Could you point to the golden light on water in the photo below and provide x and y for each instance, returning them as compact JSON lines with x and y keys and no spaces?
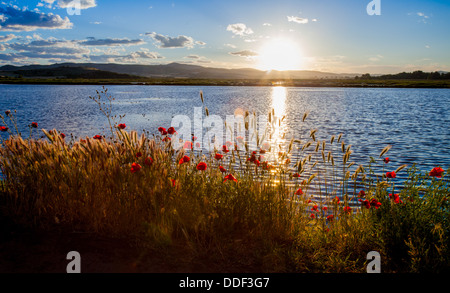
{"x":278,"y":123}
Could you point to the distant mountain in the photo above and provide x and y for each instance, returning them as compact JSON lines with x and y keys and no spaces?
{"x":62,"y":72}
{"x":171,"y":70}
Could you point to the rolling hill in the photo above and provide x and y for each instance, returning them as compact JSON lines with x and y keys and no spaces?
{"x":171,"y":70}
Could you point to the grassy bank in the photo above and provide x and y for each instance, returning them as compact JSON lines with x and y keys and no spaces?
{"x":232,"y":205}
{"x":391,"y":83}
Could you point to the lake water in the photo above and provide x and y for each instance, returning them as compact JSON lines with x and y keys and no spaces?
{"x":414,"y":121}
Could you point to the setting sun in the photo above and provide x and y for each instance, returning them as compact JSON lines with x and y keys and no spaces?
{"x":280,"y":54}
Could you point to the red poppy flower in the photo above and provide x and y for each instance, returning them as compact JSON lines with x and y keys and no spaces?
{"x":138,"y":154}
{"x":135,"y":167}
{"x":184,"y":159}
{"x":391,"y":174}
{"x":171,"y":130}
{"x":437,"y":172}
{"x":386,"y":160}
{"x":230,"y":177}
{"x":330,"y":218}
{"x":122,"y":126}
{"x":324,"y":208}
{"x":218,"y":156}
{"x":222,"y":169}
{"x":202,"y":166}
{"x":34,"y":125}
{"x":187,"y":145}
{"x":296,"y":175}
{"x":99,"y":137}
{"x":375,"y":203}
{"x":312,"y":216}
{"x":174,"y":182}
{"x":3,"y":128}
{"x":362,"y":194}
{"x":347,"y":210}
{"x":366,"y":203}
{"x":314,"y":208}
{"x":164,"y":132}
{"x":299,"y":192}
{"x":148,"y":161}
{"x":225,"y":149}
{"x":395,"y":197}
{"x":194,"y":138}
{"x":63,"y":136}
{"x":161,"y":129}
{"x":337,"y":200}
{"x":166,"y":139}
{"x":256,"y":162}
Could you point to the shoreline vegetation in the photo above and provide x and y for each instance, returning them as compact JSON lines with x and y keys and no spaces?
{"x":355,"y":83}
{"x":131,"y":202}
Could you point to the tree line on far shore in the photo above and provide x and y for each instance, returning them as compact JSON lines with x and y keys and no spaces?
{"x":410,"y":75}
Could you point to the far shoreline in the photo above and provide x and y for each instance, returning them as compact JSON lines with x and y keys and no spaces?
{"x":319,"y":83}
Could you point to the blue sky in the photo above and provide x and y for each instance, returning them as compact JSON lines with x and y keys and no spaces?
{"x":326,"y":35}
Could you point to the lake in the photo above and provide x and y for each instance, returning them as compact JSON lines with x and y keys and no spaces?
{"x":414,"y":121}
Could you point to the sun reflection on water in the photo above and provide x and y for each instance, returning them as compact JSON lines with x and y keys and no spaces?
{"x":278,"y":123}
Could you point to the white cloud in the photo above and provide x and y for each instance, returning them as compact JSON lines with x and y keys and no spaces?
{"x":174,"y":42}
{"x":239,"y":29}
{"x":231,"y":46}
{"x":196,"y":59}
{"x":7,"y":38}
{"x":192,"y":57}
{"x":423,"y":18}
{"x":297,"y":19}
{"x":134,"y":57}
{"x":245,"y":53}
{"x":111,"y":42}
{"x":43,"y":47}
{"x":376,"y":58}
{"x":145,"y":54}
{"x":267,"y":24}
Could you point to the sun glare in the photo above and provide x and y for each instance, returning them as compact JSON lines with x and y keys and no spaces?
{"x":280,"y":54}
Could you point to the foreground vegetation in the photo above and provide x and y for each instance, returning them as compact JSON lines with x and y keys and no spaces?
{"x":231,"y":205}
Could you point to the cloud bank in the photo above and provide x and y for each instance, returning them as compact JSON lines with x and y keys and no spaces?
{"x":12,"y":18}
{"x":111,"y":42}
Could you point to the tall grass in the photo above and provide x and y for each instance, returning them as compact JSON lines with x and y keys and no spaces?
{"x":307,"y":215}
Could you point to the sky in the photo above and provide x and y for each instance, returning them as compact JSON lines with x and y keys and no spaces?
{"x":341,"y":36}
